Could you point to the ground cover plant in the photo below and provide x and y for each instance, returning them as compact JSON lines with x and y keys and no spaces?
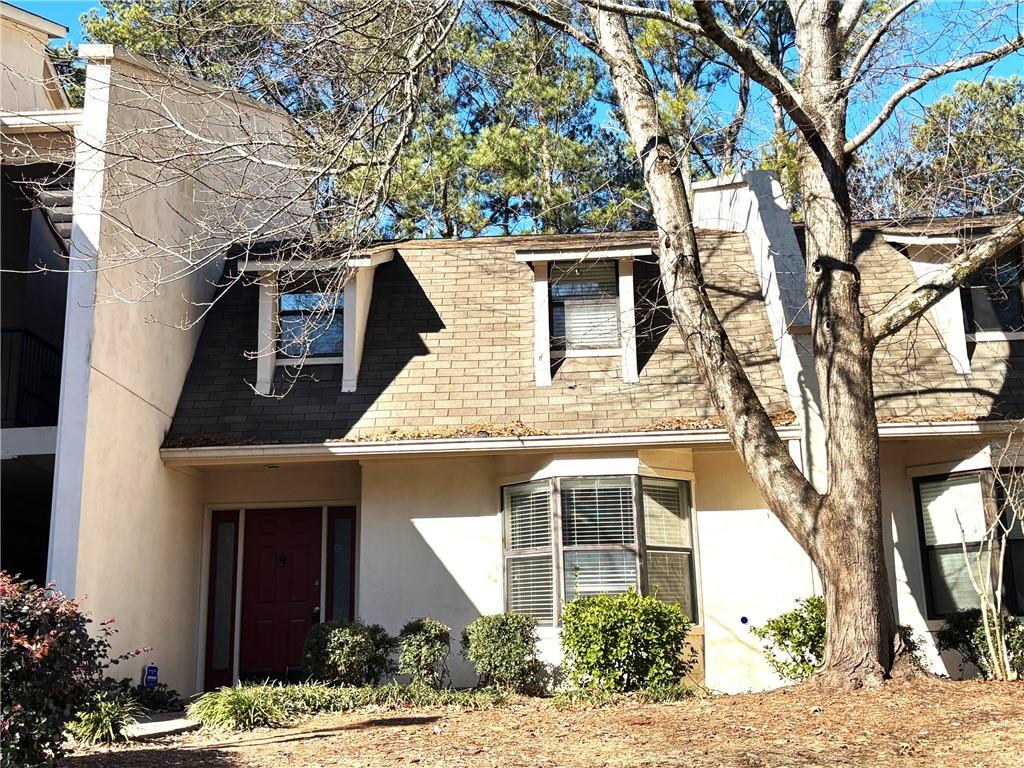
{"x":269,"y":705}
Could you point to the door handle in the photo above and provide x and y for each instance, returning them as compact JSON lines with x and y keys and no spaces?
{"x":316,"y":615}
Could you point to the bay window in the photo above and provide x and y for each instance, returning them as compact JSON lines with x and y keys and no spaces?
{"x":580,"y":536}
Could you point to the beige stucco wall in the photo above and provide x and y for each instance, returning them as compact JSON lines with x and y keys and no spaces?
{"x":127,"y":529}
{"x":26,"y":75}
{"x":750,"y":568}
{"x":430,"y":544}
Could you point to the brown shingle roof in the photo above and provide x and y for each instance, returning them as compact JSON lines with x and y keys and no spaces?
{"x":449,"y":352}
{"x":449,"y":344}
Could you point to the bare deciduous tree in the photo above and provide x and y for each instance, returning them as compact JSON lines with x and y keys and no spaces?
{"x":840,"y":528}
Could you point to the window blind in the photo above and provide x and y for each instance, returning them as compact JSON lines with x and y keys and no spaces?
{"x":601,"y":572}
{"x":584,"y":306}
{"x":530,"y":587}
{"x":597,"y":511}
{"x":949,"y":505}
{"x":528,"y":516}
{"x":666,"y":516}
{"x":669,"y":578}
{"x":951,"y":582}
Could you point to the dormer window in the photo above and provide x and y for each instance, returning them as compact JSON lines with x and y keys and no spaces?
{"x":313,"y":311}
{"x":992,"y":299}
{"x":584,"y":307}
{"x":310,"y":323}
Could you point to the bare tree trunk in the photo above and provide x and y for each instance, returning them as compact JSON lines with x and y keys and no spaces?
{"x":862,"y":643}
{"x":842,"y":531}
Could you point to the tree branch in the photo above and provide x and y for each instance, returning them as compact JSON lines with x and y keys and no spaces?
{"x":760,"y":69}
{"x":933,"y":73}
{"x":872,"y":40}
{"x":528,"y":9}
{"x":849,"y":15}
{"x":915,"y":300}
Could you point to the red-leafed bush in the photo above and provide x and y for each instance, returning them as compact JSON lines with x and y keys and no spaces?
{"x":51,"y":668}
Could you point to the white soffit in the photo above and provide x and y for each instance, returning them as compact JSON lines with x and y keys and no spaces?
{"x":584,"y":252}
{"x":359,"y":261}
{"x":903,"y":239}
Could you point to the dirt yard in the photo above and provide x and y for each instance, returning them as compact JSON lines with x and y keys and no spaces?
{"x":922,"y":724}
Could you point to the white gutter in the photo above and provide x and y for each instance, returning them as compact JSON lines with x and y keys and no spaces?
{"x":42,"y":121}
{"x":448,"y":446}
{"x":256,"y":454}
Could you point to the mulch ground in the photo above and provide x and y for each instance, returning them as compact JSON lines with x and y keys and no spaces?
{"x":924,"y":723}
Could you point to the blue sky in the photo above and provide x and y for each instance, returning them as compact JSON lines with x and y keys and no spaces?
{"x":68,"y":12}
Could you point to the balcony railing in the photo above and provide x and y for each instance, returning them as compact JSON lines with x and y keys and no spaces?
{"x":30,"y":379}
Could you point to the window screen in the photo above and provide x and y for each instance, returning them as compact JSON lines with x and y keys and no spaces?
{"x":528,"y":516}
{"x":529,"y":569}
{"x":597,"y":511}
{"x":668,"y":536}
{"x":952,"y":515}
{"x":596,"y":573}
{"x":310,"y":321}
{"x":584,"y":305}
{"x":531,"y":587}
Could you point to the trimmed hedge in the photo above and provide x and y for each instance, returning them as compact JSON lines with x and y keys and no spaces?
{"x":503,"y":650}
{"x":347,"y":653}
{"x":625,"y":642}
{"x":423,"y":649}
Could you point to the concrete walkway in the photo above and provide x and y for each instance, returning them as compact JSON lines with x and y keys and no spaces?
{"x":160,"y":724}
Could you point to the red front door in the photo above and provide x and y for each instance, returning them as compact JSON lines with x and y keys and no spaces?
{"x":280,"y":589}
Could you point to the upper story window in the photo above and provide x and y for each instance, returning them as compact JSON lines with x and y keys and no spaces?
{"x":992,"y":298}
{"x":571,"y":537}
{"x":310,"y":321}
{"x":584,"y":300}
{"x":957,"y":517}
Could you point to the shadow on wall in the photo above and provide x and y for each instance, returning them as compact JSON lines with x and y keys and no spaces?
{"x":216,"y":403}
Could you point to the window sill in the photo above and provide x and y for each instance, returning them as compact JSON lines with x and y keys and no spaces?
{"x":292,"y":361}
{"x":562,"y":354}
{"x":983,"y":336}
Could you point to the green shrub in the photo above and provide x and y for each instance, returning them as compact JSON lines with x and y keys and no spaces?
{"x":156,"y":698}
{"x":51,"y":668}
{"x":503,"y":650}
{"x":106,"y":719}
{"x":794,"y":643}
{"x":347,"y":653}
{"x":625,"y":642}
{"x":964,"y":633}
{"x":245,"y":707}
{"x":423,"y":649}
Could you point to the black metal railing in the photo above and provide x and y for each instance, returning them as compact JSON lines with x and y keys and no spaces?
{"x":30,"y":379}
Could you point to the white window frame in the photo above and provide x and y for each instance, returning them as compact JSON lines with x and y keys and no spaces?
{"x":626,"y":351}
